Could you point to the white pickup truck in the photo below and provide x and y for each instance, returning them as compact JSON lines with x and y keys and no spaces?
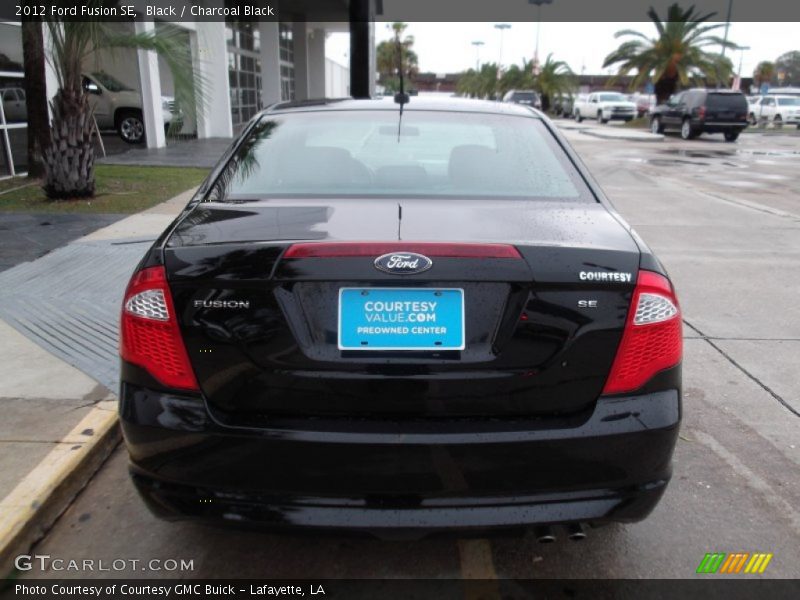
{"x":605,"y":107}
{"x":776,"y":109}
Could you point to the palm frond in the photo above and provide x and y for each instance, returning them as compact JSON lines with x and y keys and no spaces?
{"x":677,"y":53}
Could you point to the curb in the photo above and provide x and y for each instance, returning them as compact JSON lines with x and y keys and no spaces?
{"x":31,"y":508}
{"x":636,"y":137}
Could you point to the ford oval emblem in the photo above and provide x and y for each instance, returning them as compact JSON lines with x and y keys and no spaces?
{"x":403,"y":263}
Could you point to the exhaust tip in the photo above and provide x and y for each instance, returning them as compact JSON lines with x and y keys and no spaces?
{"x":575,"y":532}
{"x":544,"y":535}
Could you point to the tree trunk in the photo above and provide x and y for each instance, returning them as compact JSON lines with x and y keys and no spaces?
{"x":545,"y":102}
{"x":69,"y":160}
{"x":35,"y":94}
{"x":664,"y":88}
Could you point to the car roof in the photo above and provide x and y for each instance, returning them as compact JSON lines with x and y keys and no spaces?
{"x":416,"y":103}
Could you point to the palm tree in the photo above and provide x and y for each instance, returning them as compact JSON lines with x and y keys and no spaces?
{"x":515,"y":78}
{"x":35,"y":94}
{"x":480,"y":84}
{"x":69,"y":159}
{"x":678,"y":55}
{"x":468,"y":84}
{"x":391,"y":53}
{"x":764,"y":72}
{"x":554,"y":79}
{"x":488,"y":78}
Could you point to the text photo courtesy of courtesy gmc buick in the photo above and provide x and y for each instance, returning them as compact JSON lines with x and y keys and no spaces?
{"x":401,"y":319}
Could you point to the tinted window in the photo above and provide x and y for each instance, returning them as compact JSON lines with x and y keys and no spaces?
{"x":527,"y":96}
{"x":110,"y":83}
{"x":435,"y":154}
{"x":727,"y":101}
{"x":612,"y":98}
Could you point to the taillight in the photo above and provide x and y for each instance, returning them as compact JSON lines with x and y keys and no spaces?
{"x":441,"y":249}
{"x":149,"y":334}
{"x":701,"y":112}
{"x":652,"y":340}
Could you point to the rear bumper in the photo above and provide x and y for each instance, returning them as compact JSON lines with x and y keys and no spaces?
{"x":383,"y":477}
{"x":720,"y":126}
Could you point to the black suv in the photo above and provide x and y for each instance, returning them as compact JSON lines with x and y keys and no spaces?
{"x":702,"y":111}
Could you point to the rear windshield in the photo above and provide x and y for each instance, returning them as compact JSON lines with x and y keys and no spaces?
{"x":371,"y":153}
{"x":727,"y":101}
{"x":524,"y":96}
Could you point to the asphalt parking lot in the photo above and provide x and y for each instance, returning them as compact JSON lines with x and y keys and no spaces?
{"x":725,"y":220}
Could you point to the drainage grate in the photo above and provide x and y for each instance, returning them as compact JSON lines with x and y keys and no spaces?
{"x":68,"y":302}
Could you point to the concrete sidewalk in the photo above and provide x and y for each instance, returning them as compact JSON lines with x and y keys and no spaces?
{"x":178,"y":153}
{"x":610,"y":131}
{"x":59,"y":422}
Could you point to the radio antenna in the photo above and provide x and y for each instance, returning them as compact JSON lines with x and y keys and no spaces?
{"x":400,"y":97}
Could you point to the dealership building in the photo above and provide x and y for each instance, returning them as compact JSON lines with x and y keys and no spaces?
{"x":245,"y":65}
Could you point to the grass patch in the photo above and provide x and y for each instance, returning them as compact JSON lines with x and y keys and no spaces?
{"x":120,"y":189}
{"x":16,"y":182}
{"x":638,"y":123}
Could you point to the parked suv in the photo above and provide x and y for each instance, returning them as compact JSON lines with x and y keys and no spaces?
{"x":117,"y":106}
{"x":702,"y":111}
{"x":562,"y":105}
{"x":528,"y":97}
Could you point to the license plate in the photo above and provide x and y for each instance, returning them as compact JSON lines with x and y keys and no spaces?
{"x":401,"y":319}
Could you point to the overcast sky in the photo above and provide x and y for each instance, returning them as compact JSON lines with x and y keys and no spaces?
{"x":447,"y":47}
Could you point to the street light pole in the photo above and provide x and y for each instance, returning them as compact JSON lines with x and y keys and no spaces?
{"x":538,"y":4}
{"x":727,"y":25}
{"x":502,"y":27}
{"x":477,"y":44}
{"x":739,"y":72}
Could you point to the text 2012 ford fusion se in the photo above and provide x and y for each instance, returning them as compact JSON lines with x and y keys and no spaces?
{"x":401,"y":320}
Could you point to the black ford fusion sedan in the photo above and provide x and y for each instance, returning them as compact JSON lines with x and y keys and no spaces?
{"x":401,"y":320}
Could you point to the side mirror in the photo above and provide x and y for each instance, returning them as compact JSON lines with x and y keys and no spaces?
{"x":93,"y":88}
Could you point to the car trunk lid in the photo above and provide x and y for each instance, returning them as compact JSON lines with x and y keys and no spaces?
{"x":540,"y":330}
